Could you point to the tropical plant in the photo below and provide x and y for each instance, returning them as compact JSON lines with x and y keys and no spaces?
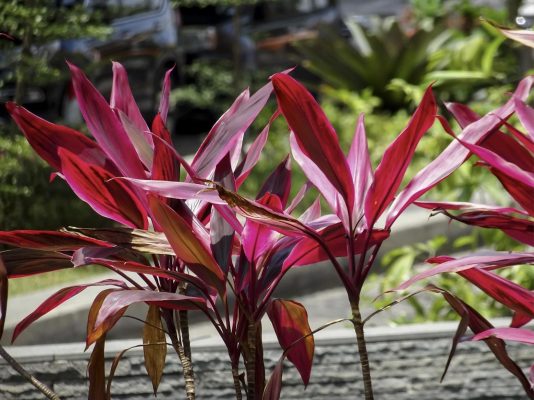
{"x":184,"y":241}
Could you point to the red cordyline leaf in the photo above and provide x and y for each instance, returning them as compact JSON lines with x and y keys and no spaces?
{"x":47,"y":138}
{"x":526,"y":116}
{"x":454,"y":155}
{"x":450,"y":264}
{"x":462,"y":205}
{"x":58,"y":298}
{"x":24,"y":262}
{"x":518,"y":228}
{"x":130,"y":266}
{"x":397,"y":157}
{"x":105,"y":126}
{"x":178,"y":190}
{"x":273,"y":389}
{"x":49,"y":240}
{"x":512,"y":334}
{"x":523,"y":36}
{"x":361,"y":170}
{"x":278,"y":182}
{"x":290,"y":322}
{"x":519,"y":319}
{"x":477,"y":323}
{"x":188,"y":244}
{"x":123,"y":100}
{"x":164,"y":166}
{"x":321,"y":182}
{"x":228,"y":130}
{"x":312,"y":213}
{"x":506,"y":292}
{"x":256,"y":238}
{"x":307,"y":251}
{"x":314,"y":134}
{"x":165,"y":93}
{"x":116,"y":302}
{"x":4,"y":282}
{"x":502,"y":165}
{"x":144,"y":150}
{"x":253,"y":154}
{"x":109,"y":197}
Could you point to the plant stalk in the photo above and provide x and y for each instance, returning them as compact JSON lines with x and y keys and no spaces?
{"x":237,"y":383}
{"x":254,"y":362}
{"x":187,"y":366}
{"x":49,"y":393}
{"x":362,"y":351}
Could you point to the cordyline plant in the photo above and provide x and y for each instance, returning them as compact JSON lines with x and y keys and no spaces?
{"x":185,"y":241}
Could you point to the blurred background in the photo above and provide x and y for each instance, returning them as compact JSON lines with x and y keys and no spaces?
{"x":370,"y":56}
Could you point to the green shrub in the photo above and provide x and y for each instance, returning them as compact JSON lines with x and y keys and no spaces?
{"x":27,"y":199}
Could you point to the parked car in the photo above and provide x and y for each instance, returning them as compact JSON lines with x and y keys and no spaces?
{"x":144,"y":39}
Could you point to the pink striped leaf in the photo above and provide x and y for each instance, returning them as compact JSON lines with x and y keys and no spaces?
{"x":58,"y":298}
{"x":49,"y":240}
{"x":455,"y":154}
{"x":526,"y":116}
{"x":4,"y":286}
{"x":397,"y":157}
{"x":165,"y":93}
{"x":290,"y":322}
{"x":230,"y":128}
{"x":449,"y":264}
{"x":361,"y":170}
{"x":122,"y":99}
{"x":177,"y":190}
{"x":24,"y":262}
{"x":511,"y":334}
{"x":165,"y":166}
{"x":109,"y":197}
{"x":47,"y":138}
{"x":105,"y":126}
{"x":143,"y":148}
{"x":115,"y":303}
{"x":314,"y":134}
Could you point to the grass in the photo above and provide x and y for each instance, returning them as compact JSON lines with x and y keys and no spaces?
{"x":34,"y":283}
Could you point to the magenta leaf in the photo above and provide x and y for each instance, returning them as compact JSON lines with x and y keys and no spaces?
{"x":321,"y":182}
{"x":165,"y":93}
{"x":122,"y":99}
{"x":144,"y":150}
{"x":273,"y":388}
{"x":47,"y":138}
{"x":290,"y":322}
{"x":449,"y":264}
{"x":48,"y":240}
{"x":512,"y":334}
{"x":253,"y":154}
{"x":526,"y":116}
{"x":519,"y":319}
{"x":314,"y":134}
{"x":56,"y":300}
{"x":454,"y":155}
{"x":178,"y":190}
{"x":221,"y":232}
{"x":360,"y":168}
{"x":397,"y":157}
{"x":165,"y":166}
{"x":506,"y":292}
{"x":278,"y":182}
{"x":307,"y":251}
{"x":24,"y":262}
{"x":111,"y":198}
{"x":117,"y":301}
{"x":225,"y":134}
{"x":105,"y":126}
{"x":257,"y":238}
{"x":4,"y":285}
